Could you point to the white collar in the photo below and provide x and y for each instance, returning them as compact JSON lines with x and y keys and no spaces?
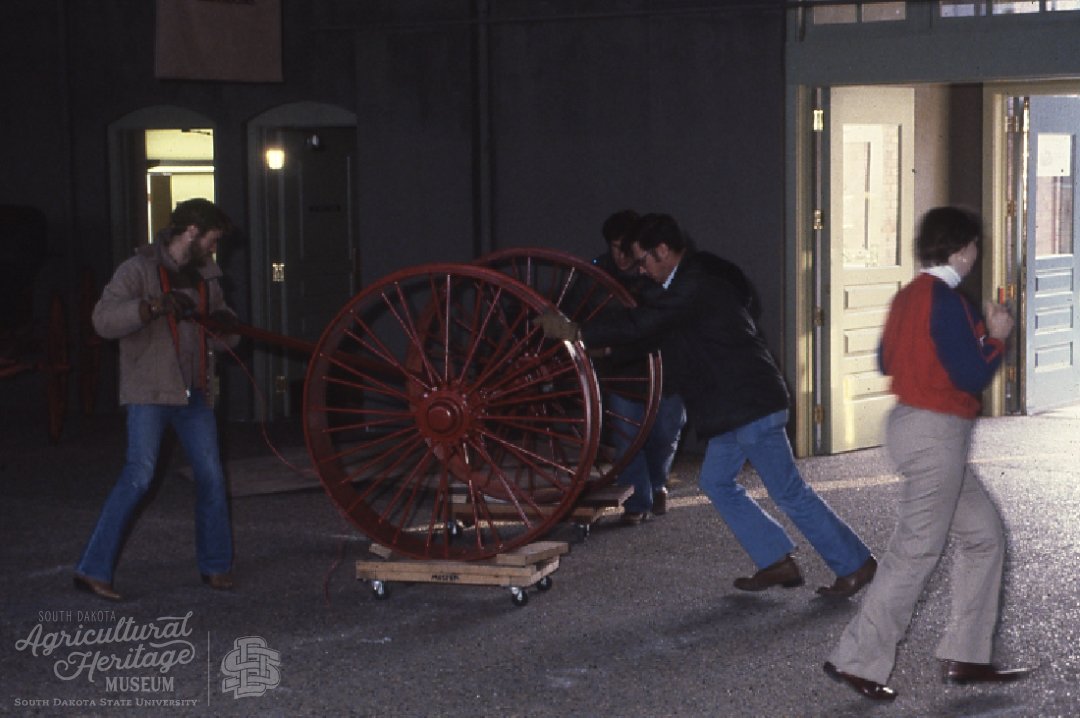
{"x":667,"y":282}
{"x":945,"y":273}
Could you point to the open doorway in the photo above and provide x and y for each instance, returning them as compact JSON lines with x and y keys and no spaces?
{"x":158,"y":156}
{"x":865,"y":256}
{"x":1010,"y":152}
{"x":1041,"y":128}
{"x":880,"y":157}
{"x":179,"y":166}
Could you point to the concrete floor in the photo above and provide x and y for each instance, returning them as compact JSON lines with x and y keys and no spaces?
{"x":639,"y":622}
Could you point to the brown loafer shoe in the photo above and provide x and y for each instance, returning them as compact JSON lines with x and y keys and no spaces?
{"x":962,"y":673}
{"x":218,"y":581}
{"x":784,"y":572}
{"x":871,"y":689}
{"x":632,"y":518}
{"x":98,"y":588}
{"x":659,"y":501}
{"x":848,"y":586}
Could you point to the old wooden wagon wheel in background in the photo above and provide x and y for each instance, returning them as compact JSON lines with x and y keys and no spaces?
{"x":581,"y":291}
{"x":433,"y":386}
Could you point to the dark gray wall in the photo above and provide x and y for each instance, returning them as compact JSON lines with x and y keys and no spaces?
{"x":481,"y":124}
{"x":528,"y":124}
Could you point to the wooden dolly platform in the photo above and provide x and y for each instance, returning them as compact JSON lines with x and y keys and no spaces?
{"x":530,"y":565}
{"x":590,"y":506}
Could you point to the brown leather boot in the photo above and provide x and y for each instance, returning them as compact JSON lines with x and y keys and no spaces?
{"x":96,"y":587}
{"x":963,"y":673}
{"x":784,"y":572}
{"x":848,"y":586}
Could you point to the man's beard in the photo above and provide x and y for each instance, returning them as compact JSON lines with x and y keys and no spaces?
{"x":198,"y":257}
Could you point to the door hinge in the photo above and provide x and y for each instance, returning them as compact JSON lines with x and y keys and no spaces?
{"x":819,"y":414}
{"x":819,"y":220}
{"x":819,"y":120}
{"x":819,"y":317}
{"x":1012,"y":124}
{"x":277,"y":271}
{"x":1010,"y":374}
{"x":1010,"y":209}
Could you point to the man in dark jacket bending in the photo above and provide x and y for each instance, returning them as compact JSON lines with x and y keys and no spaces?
{"x":715,"y":358}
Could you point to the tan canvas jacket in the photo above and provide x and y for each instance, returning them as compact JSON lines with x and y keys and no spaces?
{"x":151,"y":368}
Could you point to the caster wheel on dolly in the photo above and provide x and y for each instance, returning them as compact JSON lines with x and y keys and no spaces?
{"x":380,"y":590}
{"x":519,"y":596}
{"x":544,"y":584}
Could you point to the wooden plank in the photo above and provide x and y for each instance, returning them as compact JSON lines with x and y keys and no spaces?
{"x":608,"y":497}
{"x":532,"y":553}
{"x":381,"y":551}
{"x":587,"y":509}
{"x":605,"y":496}
{"x":455,"y":572}
{"x":497,"y":511}
{"x":522,"y":556}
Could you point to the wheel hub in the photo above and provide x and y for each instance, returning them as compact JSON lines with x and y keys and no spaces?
{"x":443,"y":416}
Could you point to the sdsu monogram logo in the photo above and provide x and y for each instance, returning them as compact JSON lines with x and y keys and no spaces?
{"x":250,"y":668}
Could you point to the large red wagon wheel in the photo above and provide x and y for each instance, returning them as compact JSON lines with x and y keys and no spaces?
{"x":432,"y":386}
{"x":581,"y":291}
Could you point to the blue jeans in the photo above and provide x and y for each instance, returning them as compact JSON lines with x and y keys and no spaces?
{"x":764,"y":443}
{"x":196,"y":428}
{"x":647,"y":471}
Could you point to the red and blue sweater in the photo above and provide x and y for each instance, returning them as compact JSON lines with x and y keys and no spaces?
{"x":936,"y":349}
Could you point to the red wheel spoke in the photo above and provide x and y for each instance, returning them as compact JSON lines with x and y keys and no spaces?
{"x":533,"y":460}
{"x":477,"y":335}
{"x":374,"y":387}
{"x":399,"y":451}
{"x":547,"y":363}
{"x":502,"y":364}
{"x":582,"y":291}
{"x":376,"y":347}
{"x":408,"y":325}
{"x":413,"y":480}
{"x":390,"y":418}
{"x":512,"y":490}
{"x":440,"y":515}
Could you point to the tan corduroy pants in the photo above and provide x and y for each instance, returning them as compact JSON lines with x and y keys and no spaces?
{"x":940,"y":495}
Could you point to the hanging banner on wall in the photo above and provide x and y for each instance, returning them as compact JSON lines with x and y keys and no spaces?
{"x":229,"y":40}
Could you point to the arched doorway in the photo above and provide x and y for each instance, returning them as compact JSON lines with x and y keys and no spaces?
{"x":305,"y":258}
{"x":158,"y":156}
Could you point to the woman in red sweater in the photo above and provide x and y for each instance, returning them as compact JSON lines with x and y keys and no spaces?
{"x":940,"y":354}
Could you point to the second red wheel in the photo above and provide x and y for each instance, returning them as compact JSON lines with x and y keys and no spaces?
{"x":582,"y":291}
